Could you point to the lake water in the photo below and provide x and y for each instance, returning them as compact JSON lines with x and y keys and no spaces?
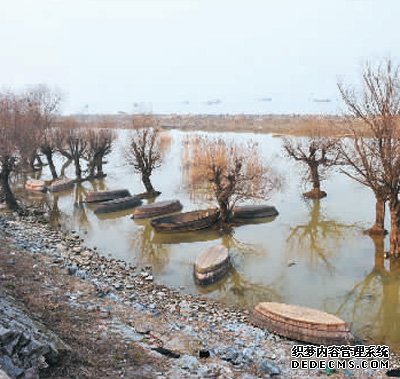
{"x":336,"y":268}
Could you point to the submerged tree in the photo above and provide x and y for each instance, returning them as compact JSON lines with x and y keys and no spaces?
{"x":318,"y":154}
{"x":375,"y":154}
{"x":144,"y":154}
{"x":99,"y":145}
{"x":43,"y":104}
{"x":74,"y":148}
{"x":236,"y":172}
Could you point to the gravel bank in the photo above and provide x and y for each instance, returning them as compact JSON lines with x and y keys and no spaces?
{"x":194,"y":337}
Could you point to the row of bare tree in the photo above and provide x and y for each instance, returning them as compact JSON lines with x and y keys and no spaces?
{"x":30,"y":130}
{"x":370,"y":153}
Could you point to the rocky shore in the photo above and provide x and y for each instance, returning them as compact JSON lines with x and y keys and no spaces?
{"x":182,"y":336}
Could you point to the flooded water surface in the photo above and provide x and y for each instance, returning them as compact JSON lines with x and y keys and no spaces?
{"x":314,"y":253}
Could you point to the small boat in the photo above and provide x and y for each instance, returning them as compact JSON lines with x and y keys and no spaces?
{"x":187,"y":221}
{"x":243,"y":212}
{"x":212,"y":265}
{"x":302,"y":324}
{"x":98,"y":196}
{"x":35,"y":185}
{"x":118,"y":204}
{"x":157,"y":209}
{"x":61,"y":185}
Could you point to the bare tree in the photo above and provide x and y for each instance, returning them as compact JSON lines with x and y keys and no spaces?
{"x":236,"y":172}
{"x":318,"y":154}
{"x":44,"y":105}
{"x":375,"y":155}
{"x":12,"y":123}
{"x":144,"y":154}
{"x":99,"y":144}
{"x":74,"y":147}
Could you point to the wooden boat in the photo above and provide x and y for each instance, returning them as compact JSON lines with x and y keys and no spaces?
{"x":98,"y":196}
{"x":157,"y":209}
{"x":61,"y":185}
{"x":120,"y":204}
{"x":187,"y":221}
{"x":211,"y":265}
{"x":245,"y":212}
{"x":35,"y":185}
{"x":302,"y":324}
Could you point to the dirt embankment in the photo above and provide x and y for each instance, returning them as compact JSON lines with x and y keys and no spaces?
{"x":118,"y":322}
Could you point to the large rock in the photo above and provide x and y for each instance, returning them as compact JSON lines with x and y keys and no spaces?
{"x":26,"y":346}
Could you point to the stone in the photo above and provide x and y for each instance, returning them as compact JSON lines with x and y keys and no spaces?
{"x":269,"y":368}
{"x":188,"y":362}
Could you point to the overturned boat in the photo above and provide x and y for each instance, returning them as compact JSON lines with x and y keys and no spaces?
{"x":98,"y":196}
{"x":157,"y":209}
{"x":248,"y":212}
{"x":61,"y":185}
{"x":212,"y":265}
{"x":186,"y":221}
{"x":118,"y":204}
{"x":302,"y":324}
{"x":35,"y":185}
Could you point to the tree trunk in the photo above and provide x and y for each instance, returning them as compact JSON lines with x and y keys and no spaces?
{"x":39,"y":160}
{"x":394,"y":237}
{"x":99,"y":165}
{"x":225,"y":214}
{"x":49,"y":157}
{"x":65,"y":166}
{"x":147,"y":183}
{"x":9,"y":197}
{"x":379,"y":227}
{"x":78,"y":170}
{"x":315,"y":177}
{"x":316,"y":192}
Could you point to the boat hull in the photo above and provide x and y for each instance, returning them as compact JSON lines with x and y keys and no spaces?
{"x":302,"y":324}
{"x":187,"y":221}
{"x":118,"y":205}
{"x":100,"y":196}
{"x":157,"y":209}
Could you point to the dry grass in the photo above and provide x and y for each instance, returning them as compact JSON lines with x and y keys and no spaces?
{"x":42,"y":292}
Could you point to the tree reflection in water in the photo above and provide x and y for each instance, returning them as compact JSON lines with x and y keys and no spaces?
{"x":146,"y":251}
{"x":318,"y":239}
{"x":373,"y":303}
{"x":235,"y":288}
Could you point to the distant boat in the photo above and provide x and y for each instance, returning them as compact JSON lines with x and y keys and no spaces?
{"x":213,"y":102}
{"x":265,"y":99}
{"x":187,"y":221}
{"x":322,"y":100}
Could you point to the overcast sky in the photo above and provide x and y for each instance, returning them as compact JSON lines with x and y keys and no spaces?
{"x":111,"y":54}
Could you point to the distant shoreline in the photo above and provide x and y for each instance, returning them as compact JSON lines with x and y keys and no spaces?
{"x":267,"y":123}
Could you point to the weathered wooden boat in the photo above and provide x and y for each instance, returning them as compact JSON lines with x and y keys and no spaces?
{"x":302,"y":324}
{"x":211,"y":265}
{"x":35,"y":185}
{"x":245,"y":212}
{"x":157,"y":209}
{"x":187,"y":221}
{"x":99,"y":196}
{"x":148,"y":195}
{"x":116,"y":205}
{"x":61,"y":185}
